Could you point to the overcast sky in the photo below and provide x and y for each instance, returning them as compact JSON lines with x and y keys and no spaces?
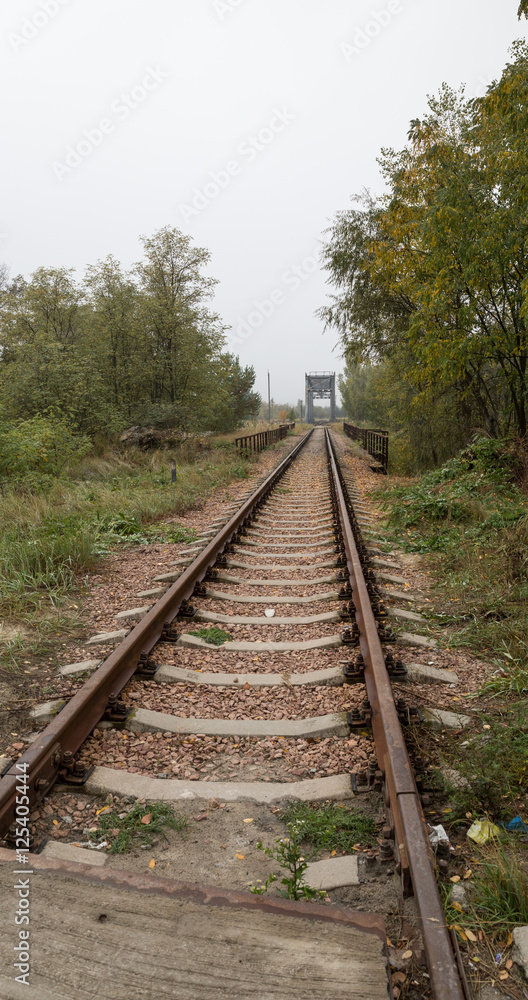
{"x":245,"y":123}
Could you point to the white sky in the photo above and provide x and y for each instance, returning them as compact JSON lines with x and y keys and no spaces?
{"x":218,"y":71}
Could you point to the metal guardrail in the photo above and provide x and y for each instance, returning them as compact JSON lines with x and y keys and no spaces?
{"x":257,"y":442}
{"x":376,"y":442}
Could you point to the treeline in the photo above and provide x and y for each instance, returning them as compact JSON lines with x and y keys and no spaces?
{"x":431,"y":280}
{"x":120,"y":348}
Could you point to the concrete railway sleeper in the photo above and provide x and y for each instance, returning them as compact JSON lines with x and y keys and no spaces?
{"x":299,"y":679}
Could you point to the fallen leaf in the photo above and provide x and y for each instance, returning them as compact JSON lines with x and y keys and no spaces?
{"x":152,"y":864}
{"x":398,"y":977}
{"x":407,"y":954}
{"x":249,"y":821}
{"x":470,"y":936}
{"x":146,"y":819}
{"x":468,"y":873}
{"x":241,"y":857}
{"x":103,"y":810}
{"x":504,"y":975}
{"x":55,"y":822}
{"x":455,"y":878}
{"x":509,"y":964}
{"x":333,"y":854}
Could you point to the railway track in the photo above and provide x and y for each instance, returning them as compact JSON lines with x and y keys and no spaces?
{"x":301,"y":679}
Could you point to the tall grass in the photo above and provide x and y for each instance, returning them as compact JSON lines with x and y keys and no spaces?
{"x":500,"y":895}
{"x":49,"y":539}
{"x":470,"y":518}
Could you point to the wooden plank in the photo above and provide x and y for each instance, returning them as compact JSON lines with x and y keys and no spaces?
{"x":97,"y":934}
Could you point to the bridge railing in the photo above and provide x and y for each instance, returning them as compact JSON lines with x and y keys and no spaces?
{"x":257,"y":442}
{"x":375,"y":441}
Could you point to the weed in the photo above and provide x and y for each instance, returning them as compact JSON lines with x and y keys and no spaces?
{"x":330,"y":827}
{"x":511,"y":677}
{"x":494,"y":764}
{"x":497,"y":896}
{"x":470,"y":517}
{"x":213,"y":636}
{"x":500,"y":892}
{"x":289,"y":855}
{"x":105,"y":501}
{"x":137,"y":826}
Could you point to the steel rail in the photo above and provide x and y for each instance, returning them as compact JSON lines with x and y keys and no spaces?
{"x":412,"y":841}
{"x":74,"y":723}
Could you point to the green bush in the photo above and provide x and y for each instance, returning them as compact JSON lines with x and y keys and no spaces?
{"x":38,"y":449}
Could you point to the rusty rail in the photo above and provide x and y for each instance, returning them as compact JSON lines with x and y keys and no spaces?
{"x":257,"y":442}
{"x":45,"y":757}
{"x":401,"y":795}
{"x":376,"y":442}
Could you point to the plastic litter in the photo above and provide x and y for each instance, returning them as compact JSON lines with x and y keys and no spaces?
{"x":90,"y":844}
{"x":270,"y":612}
{"x":483,"y":830}
{"x":437,"y":834}
{"x":516,"y":825}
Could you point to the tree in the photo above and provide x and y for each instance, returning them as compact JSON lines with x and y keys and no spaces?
{"x":44,"y":369}
{"x":523,"y":9}
{"x":183,"y":337}
{"x":142,"y":346}
{"x":234,"y":399}
{"x":436,"y":273}
{"x":114,"y":333}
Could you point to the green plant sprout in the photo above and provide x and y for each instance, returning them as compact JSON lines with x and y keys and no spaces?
{"x":289,"y":855}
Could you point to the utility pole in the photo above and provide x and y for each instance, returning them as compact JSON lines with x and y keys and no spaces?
{"x":269,"y":402}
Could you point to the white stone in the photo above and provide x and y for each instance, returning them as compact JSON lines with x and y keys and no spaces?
{"x":430,"y":675}
{"x":333,"y":873}
{"x":68,"y":852}
{"x":103,"y":637}
{"x":445,"y":720}
{"x":133,"y":614}
{"x":520,"y":951}
{"x":85,"y":667}
{"x":48,"y":711}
